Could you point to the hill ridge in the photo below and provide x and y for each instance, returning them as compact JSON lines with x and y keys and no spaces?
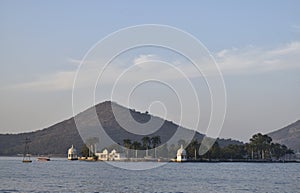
{"x":288,"y":135}
{"x":56,"y":139}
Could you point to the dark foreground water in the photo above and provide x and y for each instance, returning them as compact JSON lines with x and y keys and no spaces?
{"x":60,"y":175}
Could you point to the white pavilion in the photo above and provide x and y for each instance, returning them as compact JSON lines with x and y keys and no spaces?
{"x":72,"y":153}
{"x":105,"y":156}
{"x":113,"y":155}
{"x":181,"y":155}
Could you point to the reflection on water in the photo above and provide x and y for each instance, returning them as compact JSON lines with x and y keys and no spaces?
{"x":68,"y":176}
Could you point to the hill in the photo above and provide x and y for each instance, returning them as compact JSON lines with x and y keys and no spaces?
{"x":56,"y":139}
{"x":289,"y":136}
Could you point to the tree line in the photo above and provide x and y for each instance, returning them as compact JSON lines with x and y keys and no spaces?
{"x":148,"y":143}
{"x":259,"y":147}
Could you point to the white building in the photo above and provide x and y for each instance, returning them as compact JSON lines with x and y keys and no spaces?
{"x":102,"y":156}
{"x":72,"y":153}
{"x":181,"y":155}
{"x":105,"y":156}
{"x":114,"y":155}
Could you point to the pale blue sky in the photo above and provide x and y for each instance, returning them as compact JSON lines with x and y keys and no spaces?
{"x":41,"y":40}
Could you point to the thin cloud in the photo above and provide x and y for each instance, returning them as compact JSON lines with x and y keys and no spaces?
{"x":253,"y":59}
{"x":73,"y":61}
{"x":249,"y":59}
{"x":51,"y":82}
{"x":77,"y":62}
{"x":144,"y":58}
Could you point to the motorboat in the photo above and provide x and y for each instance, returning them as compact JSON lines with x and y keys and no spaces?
{"x":43,"y":158}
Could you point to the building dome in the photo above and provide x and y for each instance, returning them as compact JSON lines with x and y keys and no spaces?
{"x":181,"y":155}
{"x":72,"y":153}
{"x":105,"y":151}
{"x":181,"y":151}
{"x":72,"y":150}
{"x":113,"y":151}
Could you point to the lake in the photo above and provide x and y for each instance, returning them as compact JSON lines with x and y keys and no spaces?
{"x":61,"y":175}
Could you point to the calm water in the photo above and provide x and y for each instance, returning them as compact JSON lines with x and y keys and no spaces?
{"x":61,"y":175}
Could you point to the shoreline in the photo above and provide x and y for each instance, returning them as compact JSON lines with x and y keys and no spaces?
{"x":167,"y":160}
{"x":191,"y":161}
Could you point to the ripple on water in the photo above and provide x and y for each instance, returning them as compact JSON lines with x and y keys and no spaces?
{"x":63,"y":176}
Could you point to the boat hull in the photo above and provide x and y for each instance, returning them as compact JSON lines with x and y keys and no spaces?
{"x":43,"y":159}
{"x":26,"y":161}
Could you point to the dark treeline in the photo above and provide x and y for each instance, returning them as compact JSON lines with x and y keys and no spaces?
{"x":147,"y":143}
{"x":259,"y":147}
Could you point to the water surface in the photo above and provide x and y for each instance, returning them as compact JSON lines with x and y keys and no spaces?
{"x":61,"y":175}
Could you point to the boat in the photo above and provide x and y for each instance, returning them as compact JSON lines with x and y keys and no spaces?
{"x":44,"y":159}
{"x":26,"y":159}
{"x":26,"y":155}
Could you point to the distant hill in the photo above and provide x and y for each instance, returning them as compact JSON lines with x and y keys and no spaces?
{"x":289,"y":136}
{"x":56,"y":139}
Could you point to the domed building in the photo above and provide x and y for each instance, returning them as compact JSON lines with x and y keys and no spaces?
{"x":103,"y":156}
{"x":181,"y":155}
{"x":72,"y":153}
{"x":114,"y":155}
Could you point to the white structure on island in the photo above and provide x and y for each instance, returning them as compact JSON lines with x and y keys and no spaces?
{"x":72,"y":153}
{"x":113,"y":155}
{"x":102,"y":156}
{"x":181,"y":155}
{"x":105,"y":156}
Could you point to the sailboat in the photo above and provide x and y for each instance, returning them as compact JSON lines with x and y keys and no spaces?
{"x":26,"y":155}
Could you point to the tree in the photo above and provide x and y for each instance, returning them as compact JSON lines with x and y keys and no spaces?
{"x":155,"y":140}
{"x":278,"y":150}
{"x":261,"y":145}
{"x":215,"y":151}
{"x":127,"y":145}
{"x":146,"y":144}
{"x":250,"y":150}
{"x":136,"y":146}
{"x":91,"y":143}
{"x":192,"y":149}
{"x":84,"y":151}
{"x":289,"y":152}
{"x":234,"y":151}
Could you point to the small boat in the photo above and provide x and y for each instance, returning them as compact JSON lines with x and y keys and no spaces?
{"x":43,"y":159}
{"x":27,"y":161}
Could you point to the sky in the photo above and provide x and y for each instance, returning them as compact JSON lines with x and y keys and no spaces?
{"x":255,"y":43}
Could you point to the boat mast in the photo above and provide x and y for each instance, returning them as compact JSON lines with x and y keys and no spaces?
{"x":26,"y":155}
